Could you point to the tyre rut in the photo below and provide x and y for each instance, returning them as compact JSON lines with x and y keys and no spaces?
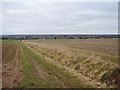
{"x":42,"y":73}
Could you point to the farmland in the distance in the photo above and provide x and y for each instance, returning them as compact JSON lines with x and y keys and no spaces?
{"x":60,"y":63}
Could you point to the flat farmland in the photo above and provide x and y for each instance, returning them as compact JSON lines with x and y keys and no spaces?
{"x":10,"y":63}
{"x":60,"y":63}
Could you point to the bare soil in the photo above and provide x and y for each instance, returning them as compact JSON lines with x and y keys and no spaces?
{"x":11,"y":69}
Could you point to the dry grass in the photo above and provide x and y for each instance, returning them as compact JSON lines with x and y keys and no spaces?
{"x":91,"y":58}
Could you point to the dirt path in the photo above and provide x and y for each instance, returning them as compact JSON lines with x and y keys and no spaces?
{"x":43,"y":72}
{"x":12,"y":72}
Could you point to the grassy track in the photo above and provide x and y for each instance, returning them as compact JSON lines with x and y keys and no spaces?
{"x":50,"y":75}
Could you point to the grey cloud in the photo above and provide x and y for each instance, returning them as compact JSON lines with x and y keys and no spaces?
{"x":67,"y":17}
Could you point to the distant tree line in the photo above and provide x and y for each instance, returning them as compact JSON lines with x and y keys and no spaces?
{"x":75,"y":36}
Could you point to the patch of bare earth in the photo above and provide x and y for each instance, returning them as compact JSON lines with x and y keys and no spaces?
{"x":40,"y":72}
{"x":11,"y":69}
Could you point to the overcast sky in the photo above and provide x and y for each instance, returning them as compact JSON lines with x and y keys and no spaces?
{"x":59,"y":17}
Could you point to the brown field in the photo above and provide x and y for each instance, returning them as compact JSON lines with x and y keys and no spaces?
{"x":64,"y":63}
{"x":11,"y":65}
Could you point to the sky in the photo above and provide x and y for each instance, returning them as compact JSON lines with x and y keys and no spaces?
{"x":59,"y":17}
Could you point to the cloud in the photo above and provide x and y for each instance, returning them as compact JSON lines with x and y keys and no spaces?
{"x":59,"y":17}
{"x":16,"y":12}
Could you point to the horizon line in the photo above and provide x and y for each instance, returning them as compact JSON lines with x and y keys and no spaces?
{"x":64,"y":34}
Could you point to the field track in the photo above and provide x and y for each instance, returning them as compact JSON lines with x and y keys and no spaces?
{"x":49,"y":74}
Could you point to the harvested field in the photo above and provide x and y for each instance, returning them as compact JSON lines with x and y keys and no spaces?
{"x":72,"y":63}
{"x":91,"y":57}
{"x":11,"y":70}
